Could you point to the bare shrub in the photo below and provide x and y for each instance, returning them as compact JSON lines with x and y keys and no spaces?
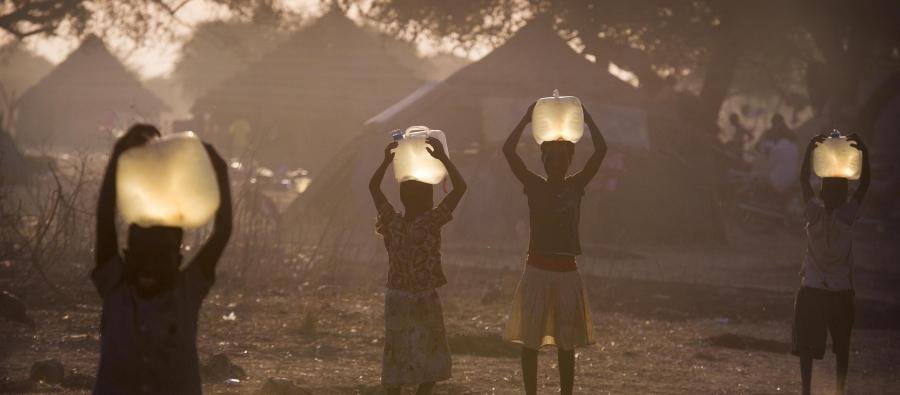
{"x":46,"y":223}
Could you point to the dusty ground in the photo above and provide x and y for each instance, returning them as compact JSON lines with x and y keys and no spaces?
{"x":696,"y":320}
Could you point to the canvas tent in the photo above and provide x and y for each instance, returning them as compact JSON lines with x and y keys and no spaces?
{"x":84,"y":100}
{"x":300,"y":102}
{"x":477,"y":107}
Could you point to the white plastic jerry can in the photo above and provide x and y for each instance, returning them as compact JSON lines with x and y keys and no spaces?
{"x":557,"y":118}
{"x":836,"y":157}
{"x":169,"y":181}
{"x":411,"y":159}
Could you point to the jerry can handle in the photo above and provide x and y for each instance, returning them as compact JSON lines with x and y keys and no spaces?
{"x":417,"y":128}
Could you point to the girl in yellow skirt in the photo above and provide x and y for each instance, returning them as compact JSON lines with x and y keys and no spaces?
{"x":551,"y":306}
{"x":415,"y":342}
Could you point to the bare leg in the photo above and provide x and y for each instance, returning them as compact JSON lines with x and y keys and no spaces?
{"x":806,"y":373}
{"x":425,"y":388}
{"x":529,"y":370}
{"x":392,"y":389}
{"x":843,"y":362}
{"x":566,"y":361}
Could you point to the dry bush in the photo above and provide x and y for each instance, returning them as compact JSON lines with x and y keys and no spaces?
{"x":46,"y":223}
{"x":47,"y":230}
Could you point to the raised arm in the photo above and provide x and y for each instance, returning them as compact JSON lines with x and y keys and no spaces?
{"x":593,"y":163}
{"x":805,"y":169}
{"x":209,"y":254}
{"x":509,"y":149}
{"x":107,"y":241}
{"x":459,"y":184}
{"x":865,"y":175}
{"x":375,"y":183}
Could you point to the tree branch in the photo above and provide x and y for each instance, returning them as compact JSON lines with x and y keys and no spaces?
{"x":626,"y":57}
{"x":45,"y":14}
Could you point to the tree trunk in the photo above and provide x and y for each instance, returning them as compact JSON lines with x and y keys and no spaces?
{"x":875,"y":105}
{"x":720,"y":70}
{"x":844,"y":46}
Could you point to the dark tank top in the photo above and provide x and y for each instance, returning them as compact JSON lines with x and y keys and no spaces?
{"x":554,"y":211}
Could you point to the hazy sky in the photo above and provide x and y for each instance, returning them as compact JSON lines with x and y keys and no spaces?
{"x":154,"y":57}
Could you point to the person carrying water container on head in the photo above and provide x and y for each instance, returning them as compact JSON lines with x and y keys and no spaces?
{"x":148,"y":329}
{"x":550,"y":307}
{"x":825,"y":302}
{"x":415,"y":341}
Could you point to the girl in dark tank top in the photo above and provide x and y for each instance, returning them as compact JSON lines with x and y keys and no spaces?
{"x":551,"y":306}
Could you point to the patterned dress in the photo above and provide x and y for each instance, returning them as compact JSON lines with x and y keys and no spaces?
{"x":415,"y":341}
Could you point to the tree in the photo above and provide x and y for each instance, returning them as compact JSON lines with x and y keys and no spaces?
{"x":854,"y":38}
{"x":24,"y":18}
{"x":706,"y":40}
{"x":135,"y":19}
{"x":654,"y":40}
{"x":216,"y":50}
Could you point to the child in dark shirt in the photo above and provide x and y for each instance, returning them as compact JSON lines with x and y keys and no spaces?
{"x":550,"y":307}
{"x":148,"y":329}
{"x":825,"y":302}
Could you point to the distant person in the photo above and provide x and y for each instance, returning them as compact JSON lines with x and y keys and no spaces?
{"x":825,"y":301}
{"x":782,"y":158}
{"x":148,"y":329}
{"x":735,"y":146}
{"x":415,"y":342}
{"x":551,"y":307}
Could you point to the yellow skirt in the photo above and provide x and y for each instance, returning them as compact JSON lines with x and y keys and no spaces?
{"x":550,"y":309}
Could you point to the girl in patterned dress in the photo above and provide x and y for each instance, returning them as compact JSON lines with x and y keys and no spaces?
{"x":415,"y":342}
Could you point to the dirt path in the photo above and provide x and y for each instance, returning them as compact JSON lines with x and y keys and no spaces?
{"x":682,"y":321}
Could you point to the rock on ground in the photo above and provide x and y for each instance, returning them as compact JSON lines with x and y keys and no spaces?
{"x":219,"y":368}
{"x":280,"y":386}
{"x":12,"y":309}
{"x":50,"y":371}
{"x":78,"y":381}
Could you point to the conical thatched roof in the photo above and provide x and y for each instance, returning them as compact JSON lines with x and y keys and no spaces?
{"x":477,"y":107}
{"x":83,"y":98}
{"x":20,"y":68}
{"x":310,"y":94}
{"x":480,"y":101}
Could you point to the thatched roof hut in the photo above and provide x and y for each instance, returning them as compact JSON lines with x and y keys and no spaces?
{"x":477,"y":107}
{"x":306,"y":98}
{"x":85,"y":100}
